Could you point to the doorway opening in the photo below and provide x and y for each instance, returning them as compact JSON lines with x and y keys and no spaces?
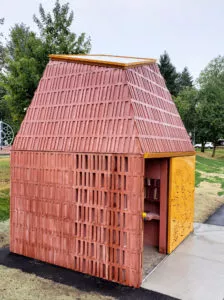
{"x":155,"y":208}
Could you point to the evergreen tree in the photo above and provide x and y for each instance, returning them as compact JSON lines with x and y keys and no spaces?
{"x":56,"y":34}
{"x":184,"y":80}
{"x":169,"y":73}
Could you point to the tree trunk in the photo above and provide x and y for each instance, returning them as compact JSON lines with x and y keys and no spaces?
{"x":202,"y":147}
{"x":213,"y":151}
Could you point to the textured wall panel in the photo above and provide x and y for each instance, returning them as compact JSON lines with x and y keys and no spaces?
{"x":181,"y":200}
{"x":81,"y":212}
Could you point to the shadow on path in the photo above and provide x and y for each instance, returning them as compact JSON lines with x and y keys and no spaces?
{"x":75,"y":279}
{"x":217,"y":218}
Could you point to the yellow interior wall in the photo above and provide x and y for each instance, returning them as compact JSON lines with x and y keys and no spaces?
{"x":181,"y":200}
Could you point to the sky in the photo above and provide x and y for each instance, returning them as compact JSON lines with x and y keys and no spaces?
{"x":191,"y":31}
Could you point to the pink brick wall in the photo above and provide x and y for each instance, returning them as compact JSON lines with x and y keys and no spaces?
{"x":79,"y":211}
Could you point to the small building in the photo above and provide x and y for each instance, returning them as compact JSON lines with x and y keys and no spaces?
{"x":101,"y":167}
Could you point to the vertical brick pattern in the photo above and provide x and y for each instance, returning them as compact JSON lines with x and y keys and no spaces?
{"x":79,"y":211}
{"x":159,"y":126}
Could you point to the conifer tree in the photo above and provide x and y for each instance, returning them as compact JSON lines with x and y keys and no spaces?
{"x":169,"y":73}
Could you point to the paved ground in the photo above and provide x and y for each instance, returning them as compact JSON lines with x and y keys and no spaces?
{"x":217,"y":218}
{"x":195,"y":270}
{"x":75,"y":279}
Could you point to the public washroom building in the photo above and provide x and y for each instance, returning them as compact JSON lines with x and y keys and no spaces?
{"x":101,"y":143}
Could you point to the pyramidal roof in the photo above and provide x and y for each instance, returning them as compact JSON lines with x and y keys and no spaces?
{"x":104,"y":104}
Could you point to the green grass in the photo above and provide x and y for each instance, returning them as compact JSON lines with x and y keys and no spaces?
{"x":4,"y":188}
{"x":209,"y":165}
{"x":208,"y":169}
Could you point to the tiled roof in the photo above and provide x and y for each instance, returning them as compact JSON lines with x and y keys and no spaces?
{"x":81,"y":107}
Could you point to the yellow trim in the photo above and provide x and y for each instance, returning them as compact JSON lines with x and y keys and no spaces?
{"x":168,"y":154}
{"x":142,"y":61}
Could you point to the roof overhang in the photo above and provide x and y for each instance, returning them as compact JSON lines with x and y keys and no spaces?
{"x":168,"y":154}
{"x":104,"y":60}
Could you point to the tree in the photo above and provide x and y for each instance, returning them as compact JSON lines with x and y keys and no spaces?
{"x":184,"y":80}
{"x":169,"y":73}
{"x":186,"y":103}
{"x":27,"y":55}
{"x":211,"y":100}
{"x":24,"y":64}
{"x":4,"y":107}
{"x":56,"y":34}
{"x":2,"y":50}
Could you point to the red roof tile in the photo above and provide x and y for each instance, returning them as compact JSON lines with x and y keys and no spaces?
{"x":87,"y":108}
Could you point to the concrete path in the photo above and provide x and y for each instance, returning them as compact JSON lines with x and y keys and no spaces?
{"x":217,"y":218}
{"x":195,"y":270}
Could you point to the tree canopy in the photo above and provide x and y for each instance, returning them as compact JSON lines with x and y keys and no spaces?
{"x":211,"y":105}
{"x":186,"y":103}
{"x":184,"y":80}
{"x":26,"y":55}
{"x":202,"y":109}
{"x":24,"y":64}
{"x":2,"y":51}
{"x":4,"y":106}
{"x":56,"y":34}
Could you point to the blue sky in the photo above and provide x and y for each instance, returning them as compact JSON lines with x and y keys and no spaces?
{"x":190,"y":31}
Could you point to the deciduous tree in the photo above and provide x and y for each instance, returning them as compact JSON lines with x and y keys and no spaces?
{"x":186,"y":103}
{"x":24,"y":64}
{"x":211,"y":100}
{"x":56,"y":33}
{"x":2,"y":50}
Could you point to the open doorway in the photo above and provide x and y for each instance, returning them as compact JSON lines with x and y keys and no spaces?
{"x":155,"y":207}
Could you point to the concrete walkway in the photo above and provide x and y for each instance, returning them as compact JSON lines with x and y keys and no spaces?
{"x":195,"y":270}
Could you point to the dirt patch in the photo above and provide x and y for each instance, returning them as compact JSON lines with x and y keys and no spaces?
{"x":15,"y":284}
{"x":207,"y":200}
{"x":4,"y":234}
{"x":151,"y":258}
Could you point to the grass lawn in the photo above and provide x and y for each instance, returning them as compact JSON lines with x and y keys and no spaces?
{"x":209,"y":181}
{"x":4,"y":187}
{"x":210,"y":169}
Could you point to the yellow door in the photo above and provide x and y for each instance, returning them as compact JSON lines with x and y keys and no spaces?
{"x":181,"y":200}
